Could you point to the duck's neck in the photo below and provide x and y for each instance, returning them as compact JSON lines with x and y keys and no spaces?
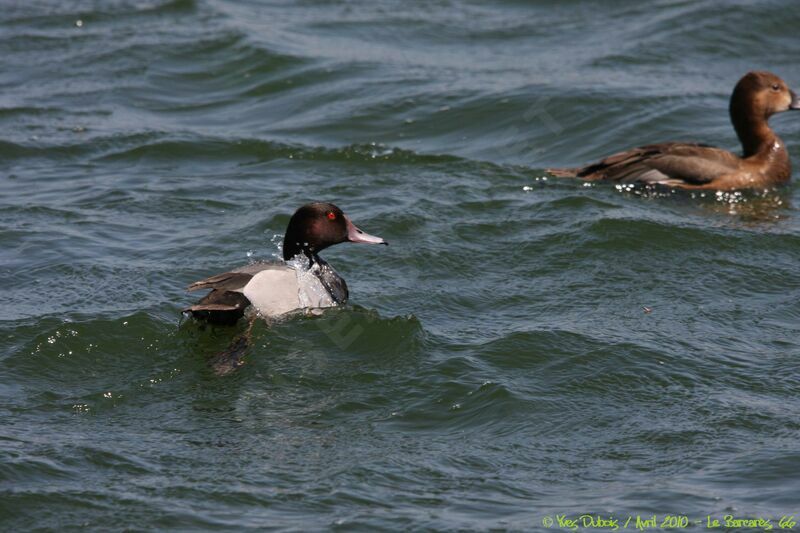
{"x":763,"y":148}
{"x":754,"y":133}
{"x":291,"y":250}
{"x":293,"y":245}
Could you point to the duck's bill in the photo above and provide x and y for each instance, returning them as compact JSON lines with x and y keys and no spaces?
{"x":795,"y":101}
{"x":356,"y":235}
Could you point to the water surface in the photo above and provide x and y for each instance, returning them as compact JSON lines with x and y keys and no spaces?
{"x":495,"y":365}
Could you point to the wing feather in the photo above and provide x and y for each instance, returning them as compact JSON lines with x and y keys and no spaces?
{"x":235,"y":280}
{"x":665,"y":163}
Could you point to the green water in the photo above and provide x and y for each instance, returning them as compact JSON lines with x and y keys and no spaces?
{"x":496,"y":364}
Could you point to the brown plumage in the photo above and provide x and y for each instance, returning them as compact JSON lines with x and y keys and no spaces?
{"x":764,"y":162}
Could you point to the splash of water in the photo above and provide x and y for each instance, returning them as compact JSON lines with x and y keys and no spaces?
{"x":312,"y":292}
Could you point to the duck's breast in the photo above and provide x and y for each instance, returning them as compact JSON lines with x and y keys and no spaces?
{"x":313,"y":292}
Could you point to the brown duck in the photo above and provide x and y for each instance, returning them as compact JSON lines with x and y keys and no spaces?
{"x":764,"y":162}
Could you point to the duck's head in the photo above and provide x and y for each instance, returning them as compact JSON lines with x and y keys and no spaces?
{"x":317,"y":225}
{"x":761,"y":94}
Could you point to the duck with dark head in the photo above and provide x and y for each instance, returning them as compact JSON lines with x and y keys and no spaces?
{"x":764,"y":162}
{"x":303,"y":280}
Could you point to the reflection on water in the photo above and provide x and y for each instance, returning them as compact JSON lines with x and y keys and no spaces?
{"x":769,"y":205}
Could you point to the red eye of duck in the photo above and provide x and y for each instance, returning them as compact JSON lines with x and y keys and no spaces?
{"x":331,"y":215}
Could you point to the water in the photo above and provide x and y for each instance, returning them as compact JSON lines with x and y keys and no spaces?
{"x":496,"y":364}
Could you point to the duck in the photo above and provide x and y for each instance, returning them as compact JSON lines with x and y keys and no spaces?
{"x":302,"y":281}
{"x":764,"y":162}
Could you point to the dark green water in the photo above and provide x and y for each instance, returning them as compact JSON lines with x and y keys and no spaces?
{"x":495,"y":365}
